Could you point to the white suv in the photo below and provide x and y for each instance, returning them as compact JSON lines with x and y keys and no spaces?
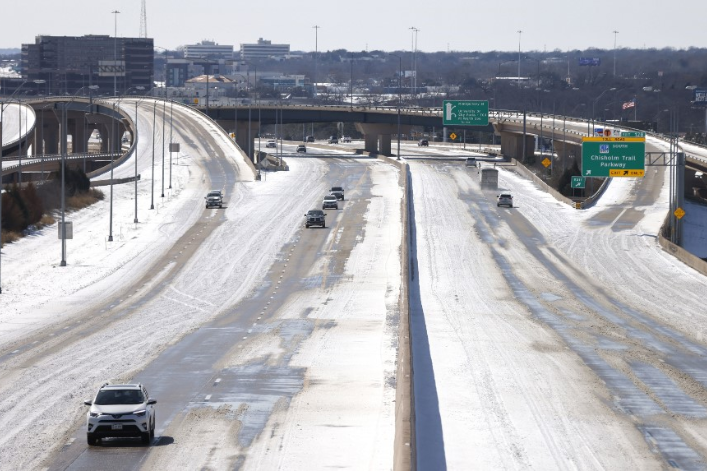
{"x":121,"y":410}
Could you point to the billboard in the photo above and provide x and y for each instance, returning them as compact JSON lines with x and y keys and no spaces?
{"x":700,"y":97}
{"x":589,"y":61}
{"x":111,"y":68}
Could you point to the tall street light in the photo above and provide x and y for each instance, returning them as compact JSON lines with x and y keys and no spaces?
{"x":316,"y":49}
{"x":115,"y":53}
{"x":152,"y":192}
{"x":171,"y":105}
{"x":400,"y":74}
{"x":351,"y":81}
{"x":64,"y":122}
{"x":519,"y":36}
{"x":615,"y":33}
{"x":164,"y":118}
{"x":413,"y":46}
{"x":594,"y":102}
{"x":112,"y":151}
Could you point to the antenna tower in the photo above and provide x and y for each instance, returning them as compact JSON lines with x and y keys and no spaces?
{"x":143,"y":21}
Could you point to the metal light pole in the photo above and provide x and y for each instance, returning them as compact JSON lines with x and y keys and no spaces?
{"x":135,"y":145}
{"x":400,"y":74}
{"x":2,"y":111}
{"x":615,"y":33}
{"x":519,"y":36}
{"x":351,"y":82}
{"x":164,"y":117}
{"x":19,"y":139}
{"x":115,"y":53}
{"x":171,"y":105}
{"x":154,"y":114}
{"x":316,"y":46}
{"x":63,"y":180}
{"x":110,"y":146}
{"x":594,"y":102}
{"x":414,"y":60}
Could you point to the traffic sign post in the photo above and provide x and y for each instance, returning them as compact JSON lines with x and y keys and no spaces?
{"x":613,"y":156}
{"x":578,"y":182}
{"x":465,"y":113}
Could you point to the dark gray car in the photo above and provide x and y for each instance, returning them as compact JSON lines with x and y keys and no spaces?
{"x":315,"y":217}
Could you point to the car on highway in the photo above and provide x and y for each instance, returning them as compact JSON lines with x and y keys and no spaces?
{"x":332,"y":140}
{"x":337,"y":191}
{"x":330,"y":202}
{"x":471,"y":162}
{"x":315,"y":217}
{"x":214,"y":198}
{"x":121,"y":410}
{"x":505,"y":199}
{"x":309,"y":139}
{"x":346,"y":139}
{"x":423,"y":143}
{"x":302,"y":148}
{"x":271,"y":143}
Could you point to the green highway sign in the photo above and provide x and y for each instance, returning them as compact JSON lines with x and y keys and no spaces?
{"x":465,"y":113}
{"x":613,"y":156}
{"x":578,"y":182}
{"x":633,"y":134}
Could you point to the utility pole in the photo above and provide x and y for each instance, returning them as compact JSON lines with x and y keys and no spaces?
{"x":615,"y":33}
{"x":316,"y":49}
{"x":519,"y":36}
{"x":115,"y":53}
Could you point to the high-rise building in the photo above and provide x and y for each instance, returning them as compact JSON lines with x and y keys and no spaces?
{"x":208,"y":50}
{"x":68,"y":64}
{"x":263,"y":50}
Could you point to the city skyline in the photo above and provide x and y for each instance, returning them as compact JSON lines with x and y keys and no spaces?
{"x":539,"y":26}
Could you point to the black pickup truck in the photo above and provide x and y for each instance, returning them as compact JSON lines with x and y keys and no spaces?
{"x":338,"y":192}
{"x":315,"y":217}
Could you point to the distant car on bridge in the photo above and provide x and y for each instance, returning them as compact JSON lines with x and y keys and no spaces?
{"x":423,"y":143}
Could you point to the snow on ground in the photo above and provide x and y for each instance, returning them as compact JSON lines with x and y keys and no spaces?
{"x":39,"y":294}
{"x":494,"y":389}
{"x":345,"y":413}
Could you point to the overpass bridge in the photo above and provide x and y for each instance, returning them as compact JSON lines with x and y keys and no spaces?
{"x":378,"y":124}
{"x":36,"y":151}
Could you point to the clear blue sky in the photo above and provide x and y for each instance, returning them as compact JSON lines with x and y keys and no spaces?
{"x":368,"y":24}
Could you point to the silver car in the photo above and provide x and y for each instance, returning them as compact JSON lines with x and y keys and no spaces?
{"x":505,"y":199}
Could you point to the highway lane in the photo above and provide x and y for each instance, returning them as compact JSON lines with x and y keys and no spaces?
{"x":206,"y":381}
{"x":550,"y":337}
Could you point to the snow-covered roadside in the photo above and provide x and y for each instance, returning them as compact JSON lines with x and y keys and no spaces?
{"x":37,"y":290}
{"x":630,"y":261}
{"x":37,"y":293}
{"x":494,"y":389}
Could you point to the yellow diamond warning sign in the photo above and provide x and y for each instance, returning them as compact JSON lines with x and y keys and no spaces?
{"x":453,"y":136}
{"x":679,"y":213}
{"x":546,"y":162}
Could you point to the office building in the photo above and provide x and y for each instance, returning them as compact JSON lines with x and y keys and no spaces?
{"x":69,"y":65}
{"x":264,"y":49}
{"x":208,"y":50}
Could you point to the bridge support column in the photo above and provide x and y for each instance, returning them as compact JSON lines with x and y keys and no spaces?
{"x":512,"y":145}
{"x":384,"y":144}
{"x":370,"y":143}
{"x":378,"y":137}
{"x":51,"y":137}
{"x":79,"y":138}
{"x":242,"y":137}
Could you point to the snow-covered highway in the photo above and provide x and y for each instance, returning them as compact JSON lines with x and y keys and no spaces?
{"x":543,"y":337}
